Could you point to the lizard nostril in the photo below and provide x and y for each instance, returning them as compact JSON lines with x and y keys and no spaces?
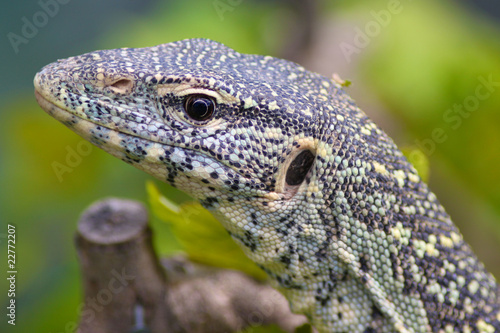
{"x":299,"y":168}
{"x":122,"y":86}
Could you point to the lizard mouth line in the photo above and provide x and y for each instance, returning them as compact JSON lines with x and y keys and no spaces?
{"x":64,"y":116}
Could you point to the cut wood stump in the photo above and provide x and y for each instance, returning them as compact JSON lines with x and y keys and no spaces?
{"x":128,"y":289}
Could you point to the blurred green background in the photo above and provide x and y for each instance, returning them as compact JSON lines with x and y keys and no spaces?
{"x":418,"y":69}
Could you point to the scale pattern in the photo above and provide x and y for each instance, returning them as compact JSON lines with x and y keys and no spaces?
{"x":358,"y":243}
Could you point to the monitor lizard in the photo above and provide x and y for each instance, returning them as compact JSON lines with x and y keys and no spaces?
{"x":314,"y":192}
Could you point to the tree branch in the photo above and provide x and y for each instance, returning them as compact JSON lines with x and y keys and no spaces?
{"x":125,"y":286}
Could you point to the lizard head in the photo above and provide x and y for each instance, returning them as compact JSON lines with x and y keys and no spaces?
{"x":252,"y":137}
{"x":196,"y":114}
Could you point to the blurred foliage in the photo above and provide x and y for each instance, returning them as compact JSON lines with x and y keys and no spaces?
{"x":201,"y":236}
{"x":306,"y":328}
{"x":429,"y":58}
{"x":437,"y":68}
{"x":248,"y":26}
{"x":263,"y":329}
{"x":438,"y":71}
{"x":419,"y":161}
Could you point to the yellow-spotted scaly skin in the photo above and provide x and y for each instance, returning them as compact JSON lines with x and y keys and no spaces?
{"x":313,"y":191}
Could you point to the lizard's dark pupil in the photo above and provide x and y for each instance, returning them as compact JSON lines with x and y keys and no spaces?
{"x":199,"y":107}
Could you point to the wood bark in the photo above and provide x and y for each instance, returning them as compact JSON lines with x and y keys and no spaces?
{"x":128,"y":289}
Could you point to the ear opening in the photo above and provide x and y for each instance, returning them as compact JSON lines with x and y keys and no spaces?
{"x":299,"y":168}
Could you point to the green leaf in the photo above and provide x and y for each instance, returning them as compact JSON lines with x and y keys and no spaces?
{"x":419,"y":161}
{"x":341,"y":81}
{"x":346,"y":83}
{"x":263,"y":329}
{"x":202,"y":237}
{"x":306,"y":328}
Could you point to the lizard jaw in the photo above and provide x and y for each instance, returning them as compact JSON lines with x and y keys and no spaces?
{"x":152,"y":159}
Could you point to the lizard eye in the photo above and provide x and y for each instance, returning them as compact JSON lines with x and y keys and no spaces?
{"x":199,"y":107}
